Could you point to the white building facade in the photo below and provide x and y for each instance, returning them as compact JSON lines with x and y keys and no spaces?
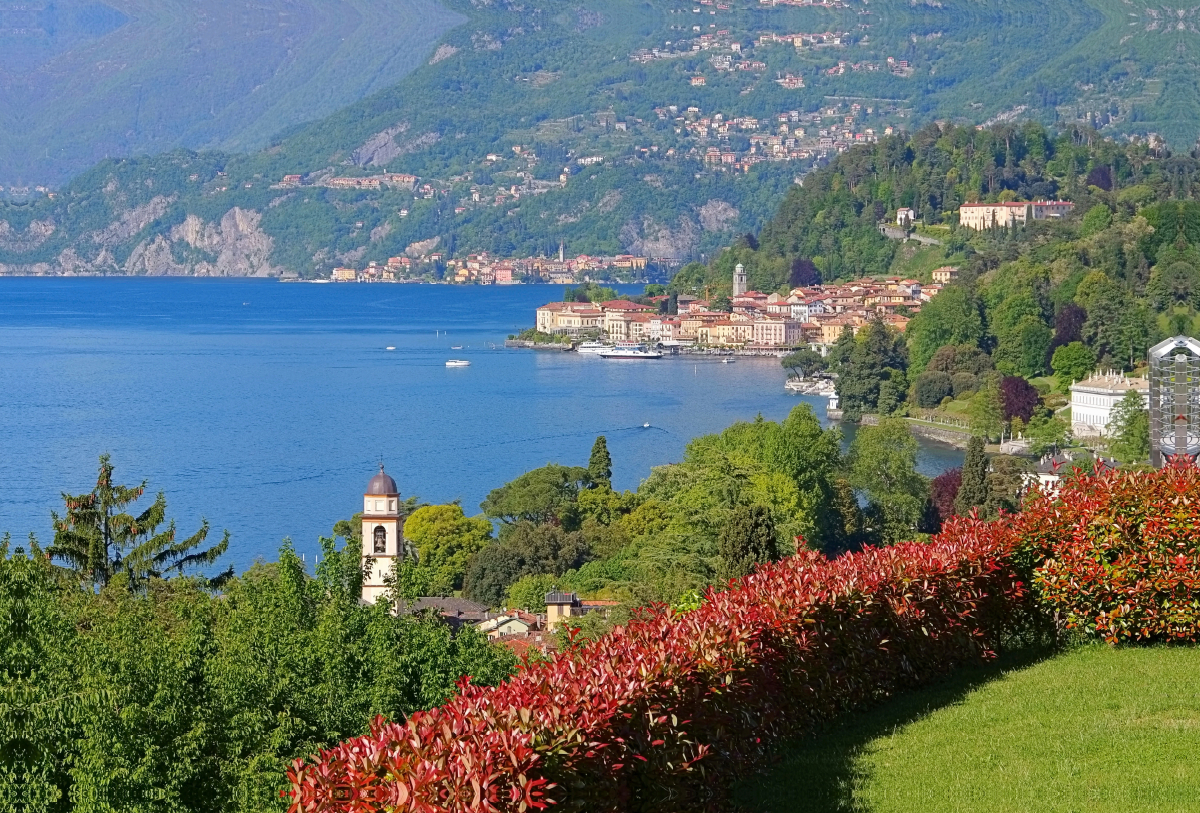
{"x":980,"y":216}
{"x":1093,"y":400}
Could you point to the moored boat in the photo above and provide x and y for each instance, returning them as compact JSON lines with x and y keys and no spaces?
{"x":458,"y":363}
{"x":630,"y":350}
{"x":593,"y":347}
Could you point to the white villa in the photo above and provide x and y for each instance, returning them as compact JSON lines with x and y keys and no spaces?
{"x":980,"y":216}
{"x":1093,"y":400}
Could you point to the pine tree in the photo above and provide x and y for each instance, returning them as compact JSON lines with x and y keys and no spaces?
{"x":747,"y":539}
{"x":974,"y":491}
{"x":600,"y":463}
{"x":98,"y":540}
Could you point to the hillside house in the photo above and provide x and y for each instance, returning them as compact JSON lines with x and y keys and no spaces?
{"x":981,"y":216}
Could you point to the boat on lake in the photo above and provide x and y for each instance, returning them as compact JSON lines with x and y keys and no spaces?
{"x":458,"y":363}
{"x":630,"y":350}
{"x":810,"y":386}
{"x":593,"y":347}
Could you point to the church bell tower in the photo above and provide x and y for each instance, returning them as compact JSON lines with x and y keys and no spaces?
{"x":739,"y":280}
{"x":382,"y":533}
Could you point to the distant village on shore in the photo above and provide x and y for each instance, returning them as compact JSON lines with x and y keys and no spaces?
{"x":811,"y":315}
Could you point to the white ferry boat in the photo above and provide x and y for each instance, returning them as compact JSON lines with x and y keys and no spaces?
{"x":630,"y":350}
{"x":593,"y":347}
{"x":458,"y":363}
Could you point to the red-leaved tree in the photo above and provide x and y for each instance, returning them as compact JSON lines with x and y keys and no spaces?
{"x":1019,"y":398}
{"x":943,"y":490}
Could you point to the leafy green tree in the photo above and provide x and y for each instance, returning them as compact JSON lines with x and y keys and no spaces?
{"x":974,"y":492}
{"x":97,"y":539}
{"x":529,"y":592}
{"x":839,"y":354}
{"x":40,"y":705}
{"x":931,"y":387}
{"x":951,"y":318}
{"x":600,"y":463}
{"x":1047,"y":434}
{"x":748,"y":539}
{"x":882,"y":464}
{"x":878,"y":356}
{"x":490,"y":572}
{"x":987,"y":409}
{"x":543,"y":495}
{"x":446,"y":540}
{"x":804,"y":362}
{"x":174,"y":699}
{"x":1021,"y":350}
{"x":1072,"y":362}
{"x":848,"y":517}
{"x":1104,"y":300}
{"x":1097,"y":219}
{"x":1129,"y":429}
{"x":527,"y":549}
{"x":604,"y":505}
{"x":1006,"y":479}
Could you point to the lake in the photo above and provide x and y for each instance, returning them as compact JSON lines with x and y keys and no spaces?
{"x":265,"y":407}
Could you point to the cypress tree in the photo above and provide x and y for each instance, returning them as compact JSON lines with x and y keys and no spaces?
{"x":747,"y":539}
{"x":600,"y":463}
{"x":974,"y":491}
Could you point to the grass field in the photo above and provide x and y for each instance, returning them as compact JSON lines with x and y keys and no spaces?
{"x":1095,"y":729}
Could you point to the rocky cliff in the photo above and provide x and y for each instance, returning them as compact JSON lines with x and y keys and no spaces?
{"x":234,"y":246}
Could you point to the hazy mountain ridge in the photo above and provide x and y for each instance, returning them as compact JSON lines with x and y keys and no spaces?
{"x":81,"y":80}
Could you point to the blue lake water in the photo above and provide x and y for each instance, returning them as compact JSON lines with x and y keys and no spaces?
{"x":265,"y":407}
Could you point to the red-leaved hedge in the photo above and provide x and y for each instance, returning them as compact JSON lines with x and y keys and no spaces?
{"x":661,"y":714}
{"x":1118,"y":553}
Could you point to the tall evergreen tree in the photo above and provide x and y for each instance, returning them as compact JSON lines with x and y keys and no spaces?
{"x":600,"y":463}
{"x":974,"y":491}
{"x":98,"y":539}
{"x":1129,"y":429}
{"x":747,"y":539}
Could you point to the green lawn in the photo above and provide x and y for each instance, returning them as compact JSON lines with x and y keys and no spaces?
{"x":1095,"y":730}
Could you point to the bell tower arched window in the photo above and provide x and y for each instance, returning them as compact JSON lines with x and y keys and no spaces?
{"x":380,"y":539}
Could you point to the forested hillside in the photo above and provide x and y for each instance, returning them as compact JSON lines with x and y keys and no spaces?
{"x":828,"y":228}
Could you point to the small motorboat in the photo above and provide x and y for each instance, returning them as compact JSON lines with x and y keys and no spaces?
{"x":458,"y":363}
{"x":390,"y":347}
{"x":727,"y":361}
{"x":646,"y":425}
{"x":456,"y":347}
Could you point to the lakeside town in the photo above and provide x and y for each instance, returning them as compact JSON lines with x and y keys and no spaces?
{"x":809,"y":315}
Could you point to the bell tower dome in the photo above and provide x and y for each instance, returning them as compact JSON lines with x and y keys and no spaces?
{"x":382,"y":533}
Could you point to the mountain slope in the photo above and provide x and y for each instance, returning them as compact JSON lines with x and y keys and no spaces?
{"x":625,"y":125}
{"x":81,"y":81}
